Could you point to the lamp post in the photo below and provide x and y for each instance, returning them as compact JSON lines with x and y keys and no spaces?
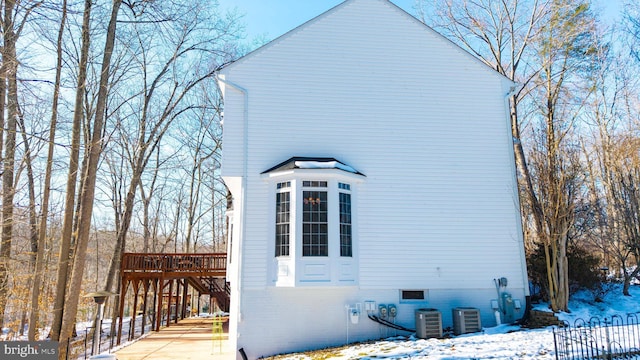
{"x":99,"y":297}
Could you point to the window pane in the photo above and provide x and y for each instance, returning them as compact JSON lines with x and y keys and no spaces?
{"x":283,"y":185}
{"x":308,"y":183}
{"x":282,"y":224}
{"x":346,"y":243}
{"x":315,"y":238}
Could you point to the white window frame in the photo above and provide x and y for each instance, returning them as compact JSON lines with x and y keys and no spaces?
{"x":297,"y":270}
{"x":316,"y":228}
{"x":346,"y":222}
{"x":281,"y":189}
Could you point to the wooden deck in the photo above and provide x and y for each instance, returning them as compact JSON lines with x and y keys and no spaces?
{"x":168,"y":277}
{"x":174,"y":265}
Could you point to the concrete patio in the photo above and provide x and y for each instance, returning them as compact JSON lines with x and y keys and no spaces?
{"x":191,"y":338}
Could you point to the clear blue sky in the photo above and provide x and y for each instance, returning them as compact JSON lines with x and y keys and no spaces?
{"x":272,"y":18}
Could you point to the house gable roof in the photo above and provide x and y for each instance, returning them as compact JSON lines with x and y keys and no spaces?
{"x":393,"y":7}
{"x":299,"y":162}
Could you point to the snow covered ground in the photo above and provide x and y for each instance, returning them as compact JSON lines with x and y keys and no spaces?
{"x":501,"y":342}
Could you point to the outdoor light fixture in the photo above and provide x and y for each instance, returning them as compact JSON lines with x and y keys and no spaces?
{"x":99,"y":297}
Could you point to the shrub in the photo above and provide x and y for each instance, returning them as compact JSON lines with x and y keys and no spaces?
{"x":584,"y":272}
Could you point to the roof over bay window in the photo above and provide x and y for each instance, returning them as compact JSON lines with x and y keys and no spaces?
{"x":299,"y":162}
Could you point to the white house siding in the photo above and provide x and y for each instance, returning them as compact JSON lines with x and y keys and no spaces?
{"x":423,"y":120}
{"x":233,"y":127}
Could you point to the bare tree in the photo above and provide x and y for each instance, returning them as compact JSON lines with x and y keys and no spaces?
{"x":612,"y":154}
{"x":171,"y":48}
{"x":42,"y":230}
{"x":632,"y":27}
{"x":198,"y":43}
{"x":564,"y":51}
{"x":625,"y":177}
{"x":88,"y":188}
{"x":64,"y":254}
{"x":203,"y":147}
{"x":146,"y":202}
{"x":12,"y":26}
{"x":33,"y":224}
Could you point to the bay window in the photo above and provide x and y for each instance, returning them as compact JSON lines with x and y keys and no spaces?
{"x":314,"y":232}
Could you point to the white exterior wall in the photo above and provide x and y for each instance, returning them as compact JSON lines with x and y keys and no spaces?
{"x":428,"y":126}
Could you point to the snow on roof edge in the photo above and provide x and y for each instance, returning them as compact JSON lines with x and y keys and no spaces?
{"x":324,"y":165}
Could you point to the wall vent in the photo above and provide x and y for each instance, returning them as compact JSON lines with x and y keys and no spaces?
{"x":428,"y":323}
{"x":466,"y":320}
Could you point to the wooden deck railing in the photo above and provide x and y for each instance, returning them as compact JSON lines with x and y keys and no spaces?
{"x":144,"y":262}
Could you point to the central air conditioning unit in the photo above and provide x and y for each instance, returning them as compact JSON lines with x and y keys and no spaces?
{"x":466,"y":320}
{"x":428,"y":323}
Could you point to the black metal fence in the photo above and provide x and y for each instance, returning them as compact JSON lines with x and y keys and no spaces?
{"x":612,"y":338}
{"x":81,"y":346}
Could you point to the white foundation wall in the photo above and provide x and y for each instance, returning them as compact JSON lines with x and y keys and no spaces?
{"x":284,"y":320}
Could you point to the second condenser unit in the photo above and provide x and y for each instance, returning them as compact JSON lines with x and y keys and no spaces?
{"x":466,"y":320}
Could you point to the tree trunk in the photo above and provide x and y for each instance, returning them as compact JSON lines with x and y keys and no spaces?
{"x":627,"y":280}
{"x":42,"y":232}
{"x":523,"y":169}
{"x":114,"y":265}
{"x":8,"y":191}
{"x":116,"y":258}
{"x":3,"y":93}
{"x":146,"y":203}
{"x":146,"y":234}
{"x":70,"y":194}
{"x":33,"y":224}
{"x":88,"y":190}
